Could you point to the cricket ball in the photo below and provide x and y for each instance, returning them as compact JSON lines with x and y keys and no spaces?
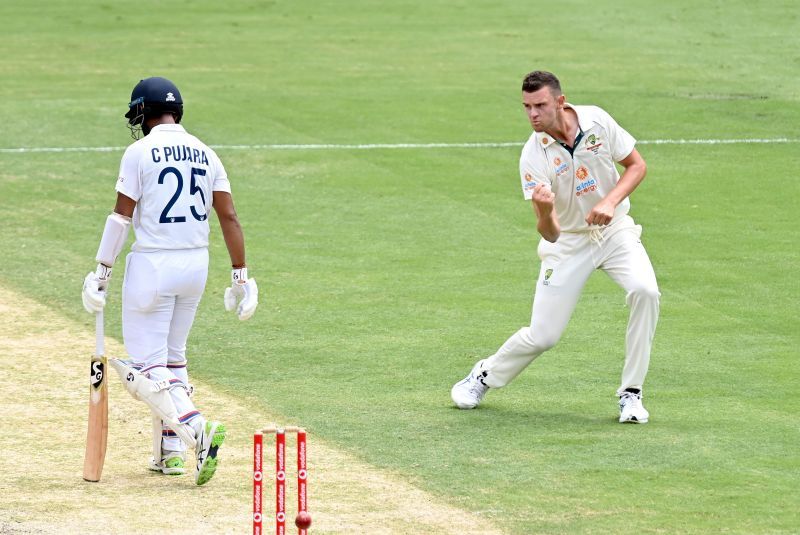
{"x":303,"y":520}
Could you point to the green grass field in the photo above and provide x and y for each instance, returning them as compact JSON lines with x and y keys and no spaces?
{"x":386,"y":273}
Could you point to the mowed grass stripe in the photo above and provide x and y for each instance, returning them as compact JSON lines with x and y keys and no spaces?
{"x":381,"y":287}
{"x":383,"y":146}
{"x":382,"y":290}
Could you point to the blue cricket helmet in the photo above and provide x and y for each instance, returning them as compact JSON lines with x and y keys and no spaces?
{"x":153,"y":97}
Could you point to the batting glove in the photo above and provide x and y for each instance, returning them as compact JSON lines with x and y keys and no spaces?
{"x":94,"y":289}
{"x":242,"y":296}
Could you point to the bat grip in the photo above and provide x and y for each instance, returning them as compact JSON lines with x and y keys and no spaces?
{"x":98,"y":329}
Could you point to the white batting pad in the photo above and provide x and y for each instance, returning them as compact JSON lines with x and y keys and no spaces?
{"x":156,"y":395}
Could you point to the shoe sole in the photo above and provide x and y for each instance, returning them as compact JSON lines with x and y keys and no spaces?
{"x":464,"y":407}
{"x":461,"y":406}
{"x":173,"y":471}
{"x":632,"y":421}
{"x":209,"y":466}
{"x":166,"y":470}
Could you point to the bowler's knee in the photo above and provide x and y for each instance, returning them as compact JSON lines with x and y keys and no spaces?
{"x":647,"y":293}
{"x":541,"y":338}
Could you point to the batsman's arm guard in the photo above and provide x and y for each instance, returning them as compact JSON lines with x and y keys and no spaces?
{"x":115,"y":234}
{"x":156,"y":395}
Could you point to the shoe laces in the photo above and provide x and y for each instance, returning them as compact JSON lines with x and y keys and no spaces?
{"x":631,"y":399}
{"x":476,"y":384}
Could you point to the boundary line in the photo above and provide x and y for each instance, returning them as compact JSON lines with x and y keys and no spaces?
{"x":392,"y":146}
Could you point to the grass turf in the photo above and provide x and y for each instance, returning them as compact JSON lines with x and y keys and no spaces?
{"x":385,"y":274}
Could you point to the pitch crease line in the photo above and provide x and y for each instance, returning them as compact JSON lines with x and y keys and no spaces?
{"x":390,"y":146}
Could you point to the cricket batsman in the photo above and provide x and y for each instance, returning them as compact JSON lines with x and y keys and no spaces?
{"x":168,"y":183}
{"x":568,"y":172}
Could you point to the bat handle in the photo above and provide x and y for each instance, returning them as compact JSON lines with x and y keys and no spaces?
{"x":98,"y":329}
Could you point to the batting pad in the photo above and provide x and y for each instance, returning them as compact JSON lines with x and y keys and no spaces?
{"x":156,"y":395}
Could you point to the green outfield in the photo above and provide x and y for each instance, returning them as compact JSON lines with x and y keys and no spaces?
{"x":386,"y":273}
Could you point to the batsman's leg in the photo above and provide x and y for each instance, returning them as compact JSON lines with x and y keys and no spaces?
{"x":169,"y":451}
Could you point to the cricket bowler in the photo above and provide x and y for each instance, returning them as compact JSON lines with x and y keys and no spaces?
{"x":569,"y":173}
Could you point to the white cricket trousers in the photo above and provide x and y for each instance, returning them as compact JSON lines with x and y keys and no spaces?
{"x":566,"y":266}
{"x":160,"y":296}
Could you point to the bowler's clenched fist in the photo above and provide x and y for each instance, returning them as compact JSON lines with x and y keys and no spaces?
{"x":544,"y":198}
{"x":601,"y":214}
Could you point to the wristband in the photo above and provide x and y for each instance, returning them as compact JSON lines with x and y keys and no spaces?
{"x":239,"y":275}
{"x":103,"y":272}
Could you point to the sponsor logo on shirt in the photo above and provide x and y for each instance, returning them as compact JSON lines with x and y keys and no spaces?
{"x":585,"y":187}
{"x":121,"y":179}
{"x":529,"y":183}
{"x":561,"y":167}
{"x":582,"y":172}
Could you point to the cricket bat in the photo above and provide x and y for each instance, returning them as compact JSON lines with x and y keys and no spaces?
{"x":97,"y":435}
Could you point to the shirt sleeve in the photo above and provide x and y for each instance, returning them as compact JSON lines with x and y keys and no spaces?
{"x":530,"y":171}
{"x":128,"y":182}
{"x":620,"y":142}
{"x":221,"y":182}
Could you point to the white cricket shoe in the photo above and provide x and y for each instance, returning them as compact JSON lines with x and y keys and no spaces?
{"x":631,"y":410}
{"x":173,"y":463}
{"x":468,"y":392}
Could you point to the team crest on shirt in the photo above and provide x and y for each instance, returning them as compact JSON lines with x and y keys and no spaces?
{"x":593,"y":144}
{"x":547,"y":274}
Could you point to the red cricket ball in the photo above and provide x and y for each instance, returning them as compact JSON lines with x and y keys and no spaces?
{"x":303,"y":520}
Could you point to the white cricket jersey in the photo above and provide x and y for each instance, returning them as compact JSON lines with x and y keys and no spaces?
{"x":172,"y":176}
{"x":581,"y":179}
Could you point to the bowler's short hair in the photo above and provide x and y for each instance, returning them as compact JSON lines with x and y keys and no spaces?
{"x":536,"y":80}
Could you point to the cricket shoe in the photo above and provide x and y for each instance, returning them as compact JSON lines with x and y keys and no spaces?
{"x":173,"y":463}
{"x":631,"y":410}
{"x":208,"y":442}
{"x":468,"y":392}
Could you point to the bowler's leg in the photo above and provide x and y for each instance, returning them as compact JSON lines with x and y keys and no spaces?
{"x":630,"y":267}
{"x":565,"y":269}
{"x":552,"y":309}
